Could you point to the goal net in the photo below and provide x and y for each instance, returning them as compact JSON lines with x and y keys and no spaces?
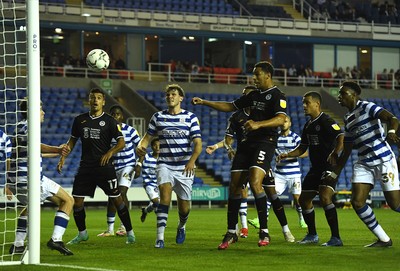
{"x":14,"y":71}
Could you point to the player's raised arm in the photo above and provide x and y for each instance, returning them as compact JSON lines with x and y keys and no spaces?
{"x":217,"y":105}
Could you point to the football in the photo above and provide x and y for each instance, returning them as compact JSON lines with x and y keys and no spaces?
{"x":97,"y":60}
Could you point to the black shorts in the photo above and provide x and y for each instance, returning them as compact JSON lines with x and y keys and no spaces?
{"x":87,"y":179}
{"x":314,"y":179}
{"x":258,"y":154}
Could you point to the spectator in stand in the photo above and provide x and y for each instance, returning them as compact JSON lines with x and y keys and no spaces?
{"x":311,"y":79}
{"x":301,"y":74}
{"x":355,"y":73}
{"x":340,"y":73}
{"x":348,"y":74}
{"x":397,"y":79}
{"x":120,"y":64}
{"x":292,"y":73}
{"x":384,"y":75}
{"x":334,"y":72}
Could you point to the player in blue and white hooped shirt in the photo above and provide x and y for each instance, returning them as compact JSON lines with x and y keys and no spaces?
{"x":17,"y":184}
{"x":148,"y":168}
{"x":180,"y":145}
{"x":376,"y":161}
{"x":287,"y":172}
{"x":124,"y":163}
{"x":5,"y":155}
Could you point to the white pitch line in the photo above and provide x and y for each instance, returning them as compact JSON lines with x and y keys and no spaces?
{"x":77,"y":267}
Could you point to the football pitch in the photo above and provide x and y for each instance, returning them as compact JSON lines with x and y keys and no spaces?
{"x":204,"y":232}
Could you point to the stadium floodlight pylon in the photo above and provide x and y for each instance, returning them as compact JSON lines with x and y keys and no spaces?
{"x":20,"y":76}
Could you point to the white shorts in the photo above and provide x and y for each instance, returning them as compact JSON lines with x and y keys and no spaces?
{"x":124,"y":176}
{"x":152,"y":191}
{"x":387,"y":173}
{"x":181,"y":185}
{"x":48,"y":188}
{"x":293,"y":184}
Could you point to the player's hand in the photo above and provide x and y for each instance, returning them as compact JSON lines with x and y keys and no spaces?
{"x":281,"y":156}
{"x":393,"y":138}
{"x":197,"y":100}
{"x":60,"y":164}
{"x":251,"y":125}
{"x":141,"y":151}
{"x":231,"y":154}
{"x":333,"y":158}
{"x":211,"y":149}
{"x":8,"y":192}
{"x":106,"y":158}
{"x":65,"y":149}
{"x":138,"y":169}
{"x":189,"y":169}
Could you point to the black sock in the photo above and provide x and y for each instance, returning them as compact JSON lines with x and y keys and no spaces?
{"x":331,"y":217}
{"x":80,"y":218}
{"x":233,"y":212}
{"x":261,"y":204}
{"x":279,"y":211}
{"x":123,"y":214}
{"x":309,"y":218}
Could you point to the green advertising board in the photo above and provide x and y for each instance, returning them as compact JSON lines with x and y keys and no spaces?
{"x":209,"y":193}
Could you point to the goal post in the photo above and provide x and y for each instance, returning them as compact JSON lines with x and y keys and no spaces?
{"x":20,"y":77}
{"x":34,"y":131}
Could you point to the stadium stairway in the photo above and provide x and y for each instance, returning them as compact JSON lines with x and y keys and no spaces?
{"x":207,"y":179}
{"x":291,"y":11}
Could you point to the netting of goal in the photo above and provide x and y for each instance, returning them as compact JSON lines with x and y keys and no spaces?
{"x":19,"y":78}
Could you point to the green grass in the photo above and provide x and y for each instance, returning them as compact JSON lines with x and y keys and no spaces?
{"x":204,"y":232}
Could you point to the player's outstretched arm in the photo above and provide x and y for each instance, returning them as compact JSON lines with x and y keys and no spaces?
{"x":213,"y":148}
{"x":68,"y":146}
{"x":217,"y":105}
{"x":141,"y":148}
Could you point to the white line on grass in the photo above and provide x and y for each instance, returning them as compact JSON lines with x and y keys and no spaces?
{"x":78,"y":267}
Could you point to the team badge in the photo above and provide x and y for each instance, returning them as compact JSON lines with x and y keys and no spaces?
{"x":86,"y":132}
{"x":102,"y":123}
{"x":268,"y":97}
{"x":119,"y":127}
{"x":282,"y":103}
{"x":317,"y":128}
{"x":335,"y":127}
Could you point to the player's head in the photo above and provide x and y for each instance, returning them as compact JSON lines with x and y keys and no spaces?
{"x":312,"y":103}
{"x":349,"y":93}
{"x":262,"y":74}
{"x":287,"y":124}
{"x":97,"y":99}
{"x":174,"y":95}
{"x":117,"y":112}
{"x":23,"y":107}
{"x":247,"y":89}
{"x":155,"y":145}
{"x":352,"y":85}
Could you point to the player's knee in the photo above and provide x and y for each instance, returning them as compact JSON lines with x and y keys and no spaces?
{"x":357,"y":204}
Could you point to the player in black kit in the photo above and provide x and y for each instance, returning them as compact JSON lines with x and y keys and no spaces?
{"x":254,"y":155}
{"x":96,"y":129}
{"x":323,"y":138}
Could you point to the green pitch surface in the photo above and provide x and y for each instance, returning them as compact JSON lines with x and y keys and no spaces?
{"x":204,"y":232}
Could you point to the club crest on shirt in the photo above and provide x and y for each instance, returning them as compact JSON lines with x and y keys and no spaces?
{"x":268,"y":97}
{"x":102,"y":123}
{"x":317,"y":128}
{"x":86,"y":132}
{"x":282,"y":103}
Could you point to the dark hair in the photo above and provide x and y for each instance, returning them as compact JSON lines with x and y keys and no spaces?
{"x":251,"y":87}
{"x":116,"y":106}
{"x":154,"y":141}
{"x":23,"y":107}
{"x":315,"y":95}
{"x":265,"y":66}
{"x":97,"y":90}
{"x":353,"y":86}
{"x":175,"y":87}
